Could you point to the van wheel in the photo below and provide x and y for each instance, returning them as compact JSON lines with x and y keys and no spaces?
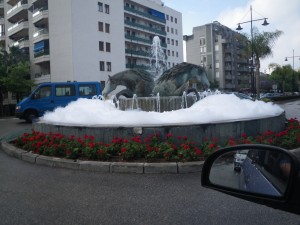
{"x":30,"y":116}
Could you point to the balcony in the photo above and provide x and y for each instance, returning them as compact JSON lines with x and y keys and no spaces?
{"x":22,"y":43}
{"x":1,"y":3}
{"x":228,"y":67}
{"x":138,"y":39}
{"x":18,"y":12}
{"x":145,"y":28}
{"x":143,"y":14}
{"x":227,"y":59}
{"x":12,"y":2}
{"x":40,"y":35}
{"x":18,"y":31}
{"x":137,"y":53}
{"x":40,"y":17}
{"x":42,"y":78}
{"x":2,"y":36}
{"x":242,"y":60}
{"x":42,"y":56}
{"x":134,"y":66}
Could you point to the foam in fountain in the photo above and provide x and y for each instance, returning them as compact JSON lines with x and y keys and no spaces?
{"x":220,"y":116}
{"x":213,"y":108}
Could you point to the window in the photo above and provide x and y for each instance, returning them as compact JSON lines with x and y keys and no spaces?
{"x":172,"y":30}
{"x":176,"y":43}
{"x":108,"y":66}
{"x":172,"y":41}
{"x":101,"y":46}
{"x":107,"y":28}
{"x":167,"y":17}
{"x":168,"y":29}
{"x":107,"y":9}
{"x":175,"y":20}
{"x":177,"y":54}
{"x":171,"y":18}
{"x":65,"y":90}
{"x":87,"y":89}
{"x":176,"y":31}
{"x":216,"y":47}
{"x":168,"y":40}
{"x":107,"y":47}
{"x":100,"y":26}
{"x":102,"y":66}
{"x":100,"y":6}
{"x":172,"y":53}
{"x":168,"y":52}
{"x":42,"y":92}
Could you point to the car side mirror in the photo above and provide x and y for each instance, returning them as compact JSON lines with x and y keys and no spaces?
{"x":259,"y":173}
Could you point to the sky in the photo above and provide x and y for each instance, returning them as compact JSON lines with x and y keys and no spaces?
{"x":214,"y":108}
{"x":283,"y":15}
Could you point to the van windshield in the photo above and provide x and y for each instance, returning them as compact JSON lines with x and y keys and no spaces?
{"x":42,"y":92}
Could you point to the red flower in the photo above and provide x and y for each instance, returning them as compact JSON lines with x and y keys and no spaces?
{"x":91,"y":144}
{"x":68,"y":152}
{"x":231,"y":142}
{"x":169,"y":135}
{"x":244,"y":135}
{"x":100,"y":152}
{"x":198,"y":152}
{"x":212,"y":145}
{"x":123,"y":150}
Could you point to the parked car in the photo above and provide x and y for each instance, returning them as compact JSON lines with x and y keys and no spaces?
{"x":270,"y":95}
{"x":269,"y":175}
{"x":243,"y":96}
{"x":239,"y":158}
{"x":48,"y":96}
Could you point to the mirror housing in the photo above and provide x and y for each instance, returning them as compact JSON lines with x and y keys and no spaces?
{"x":287,"y":200}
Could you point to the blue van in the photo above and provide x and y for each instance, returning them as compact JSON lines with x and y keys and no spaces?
{"x":48,"y":96}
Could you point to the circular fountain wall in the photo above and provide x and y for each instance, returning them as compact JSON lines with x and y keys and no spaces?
{"x":196,"y":131}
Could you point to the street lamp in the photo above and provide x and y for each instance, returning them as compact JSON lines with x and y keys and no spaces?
{"x":252,"y":67}
{"x":293,"y":77}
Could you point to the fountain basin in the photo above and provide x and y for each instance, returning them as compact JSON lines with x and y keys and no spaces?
{"x":195,"y":132}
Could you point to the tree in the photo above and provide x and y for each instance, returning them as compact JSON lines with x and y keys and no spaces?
{"x":283,"y":75}
{"x":261,"y":44}
{"x":14,"y":74}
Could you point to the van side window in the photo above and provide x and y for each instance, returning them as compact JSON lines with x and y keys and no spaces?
{"x":42,"y":92}
{"x":64,"y":90}
{"x":87,"y":89}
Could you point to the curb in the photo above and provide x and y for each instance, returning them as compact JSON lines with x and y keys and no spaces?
{"x":103,"y":167}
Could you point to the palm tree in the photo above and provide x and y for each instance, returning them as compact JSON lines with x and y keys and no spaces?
{"x":261,"y":45}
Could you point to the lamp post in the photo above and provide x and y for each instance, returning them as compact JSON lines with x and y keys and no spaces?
{"x":293,"y":76}
{"x":252,"y":66}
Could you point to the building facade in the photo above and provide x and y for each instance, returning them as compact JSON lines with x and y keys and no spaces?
{"x":89,"y":40}
{"x":221,"y":51}
{"x":75,"y":40}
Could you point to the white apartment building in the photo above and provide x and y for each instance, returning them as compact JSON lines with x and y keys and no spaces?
{"x":87,"y":40}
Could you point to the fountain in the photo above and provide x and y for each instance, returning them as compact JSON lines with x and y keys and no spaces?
{"x":213,"y":117}
{"x":158,"y":63}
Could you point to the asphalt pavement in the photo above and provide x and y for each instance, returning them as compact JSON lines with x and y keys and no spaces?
{"x":34,"y":194}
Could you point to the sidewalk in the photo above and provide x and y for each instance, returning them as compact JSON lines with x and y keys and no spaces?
{"x":104,"y":167}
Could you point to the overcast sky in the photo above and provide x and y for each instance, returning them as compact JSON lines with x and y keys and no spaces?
{"x":282,"y":15}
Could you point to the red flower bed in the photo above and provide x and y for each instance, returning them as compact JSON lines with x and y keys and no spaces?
{"x":153,"y":148}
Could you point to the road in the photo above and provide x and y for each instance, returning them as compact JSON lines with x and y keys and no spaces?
{"x":292,"y":108}
{"x":33,"y":194}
